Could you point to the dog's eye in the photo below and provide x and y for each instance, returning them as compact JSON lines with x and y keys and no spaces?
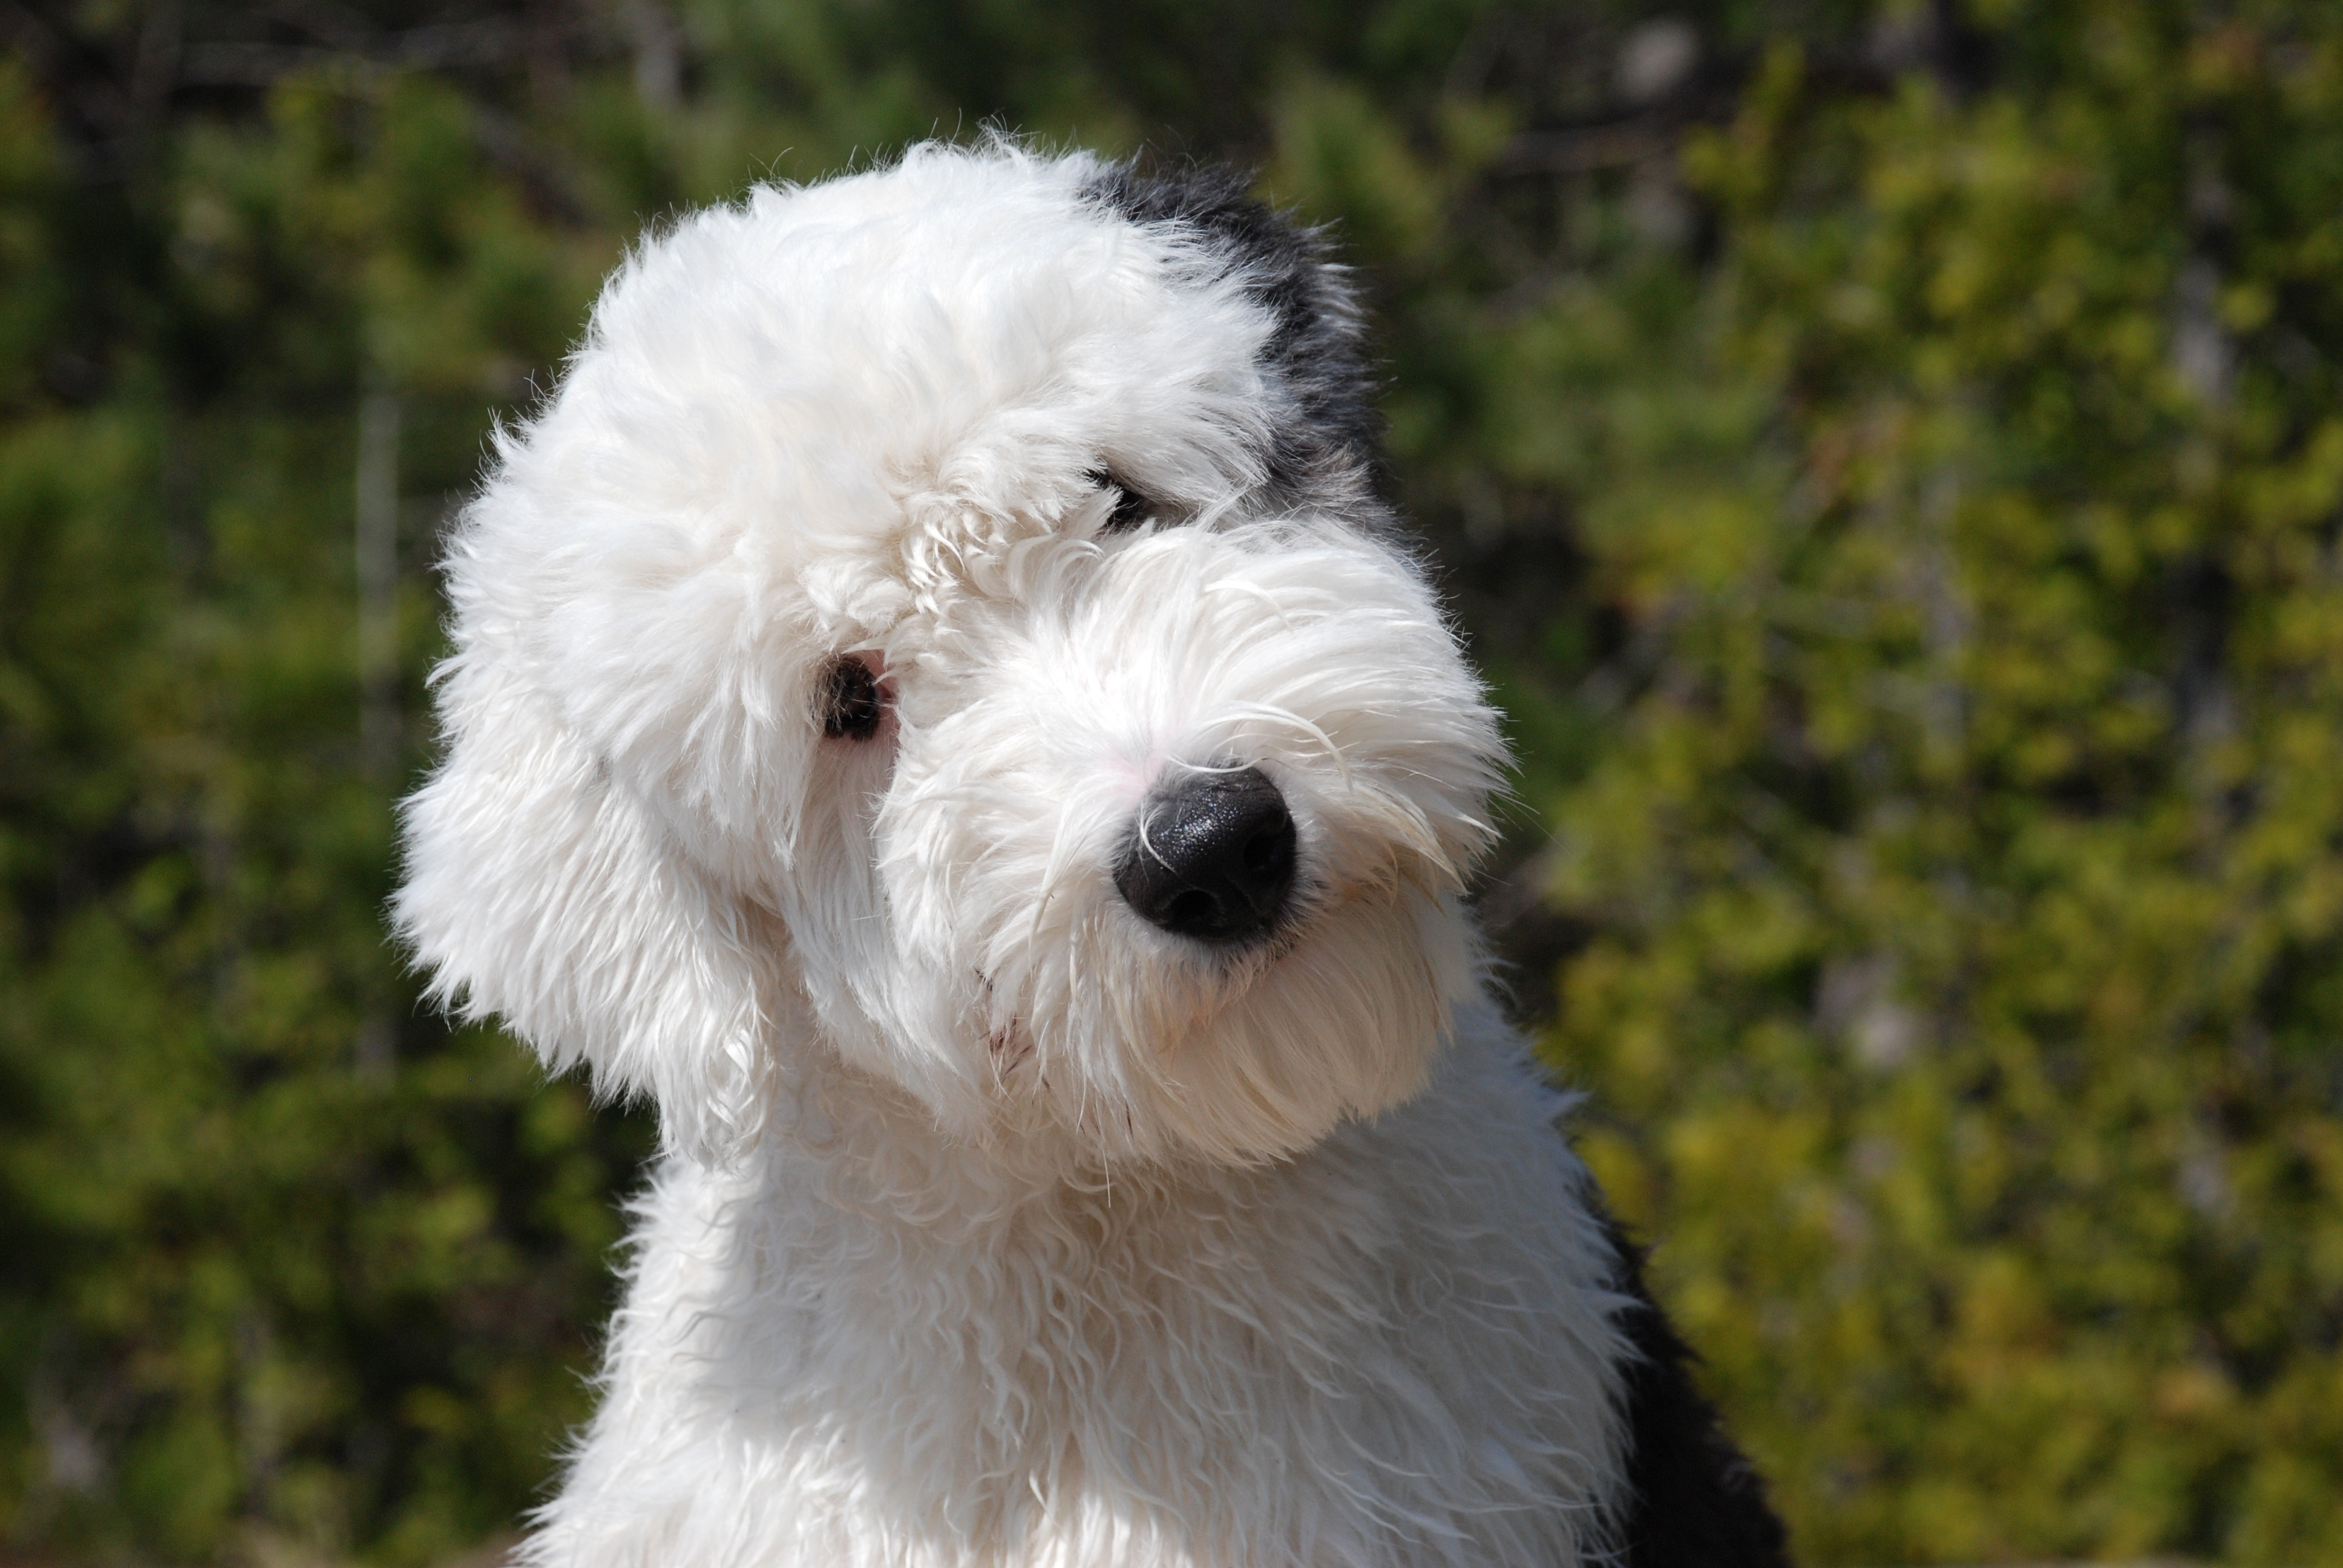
{"x":851,"y":704}
{"x":1131,"y":507}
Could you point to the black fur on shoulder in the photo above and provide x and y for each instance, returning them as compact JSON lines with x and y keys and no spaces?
{"x":1690,"y":1498}
{"x":1331,"y":452}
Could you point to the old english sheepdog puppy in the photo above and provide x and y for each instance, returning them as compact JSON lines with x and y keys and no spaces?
{"x":938,"y":706}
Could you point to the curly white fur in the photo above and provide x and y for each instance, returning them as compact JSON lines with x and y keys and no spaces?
{"x":996,"y":1225}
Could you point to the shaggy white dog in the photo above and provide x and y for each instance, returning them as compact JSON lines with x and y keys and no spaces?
{"x":938,"y":706}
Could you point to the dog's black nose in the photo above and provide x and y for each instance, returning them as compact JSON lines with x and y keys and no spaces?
{"x":1213,"y":857}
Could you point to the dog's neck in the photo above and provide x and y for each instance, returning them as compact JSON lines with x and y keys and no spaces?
{"x":868,"y":1147}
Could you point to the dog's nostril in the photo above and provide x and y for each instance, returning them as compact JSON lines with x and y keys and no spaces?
{"x":1213,"y":859}
{"x":1267,"y":852}
{"x":1192,"y":911}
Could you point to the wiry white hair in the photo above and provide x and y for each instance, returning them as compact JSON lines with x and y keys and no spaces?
{"x":999,"y":1223}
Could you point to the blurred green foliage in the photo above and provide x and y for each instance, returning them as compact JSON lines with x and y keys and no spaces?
{"x":1888,"y":456}
{"x":1962,"y":850}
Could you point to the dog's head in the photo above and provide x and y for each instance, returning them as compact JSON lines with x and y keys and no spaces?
{"x":942,"y":623}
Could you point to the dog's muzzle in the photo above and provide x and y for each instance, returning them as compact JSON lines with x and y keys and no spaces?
{"x":1212,"y":858}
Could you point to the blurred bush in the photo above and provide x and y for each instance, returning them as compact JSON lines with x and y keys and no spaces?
{"x":1961,"y":853}
{"x":1888,"y":458}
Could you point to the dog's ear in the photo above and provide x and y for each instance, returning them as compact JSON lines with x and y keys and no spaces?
{"x":540,"y":889}
{"x":1329,"y":441}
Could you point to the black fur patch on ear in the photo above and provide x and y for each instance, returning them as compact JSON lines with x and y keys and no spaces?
{"x":1689,"y":1499}
{"x":1331,"y":450}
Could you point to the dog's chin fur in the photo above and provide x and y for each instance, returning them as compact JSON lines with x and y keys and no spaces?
{"x":997,"y":1225}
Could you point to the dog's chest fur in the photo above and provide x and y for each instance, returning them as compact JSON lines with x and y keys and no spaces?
{"x":1401,"y":1347}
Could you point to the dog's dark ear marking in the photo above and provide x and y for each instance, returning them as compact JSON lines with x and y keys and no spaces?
{"x":1330,"y":451}
{"x":1690,"y":1499}
{"x":851,"y":706}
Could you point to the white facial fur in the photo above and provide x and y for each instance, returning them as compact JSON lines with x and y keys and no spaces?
{"x":869,"y":417}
